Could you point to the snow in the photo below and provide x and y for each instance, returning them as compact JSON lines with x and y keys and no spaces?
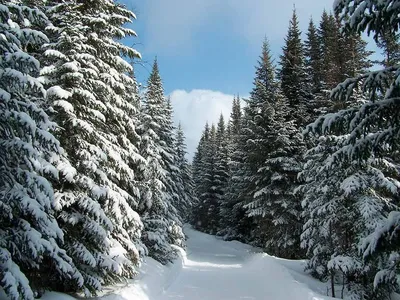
{"x":58,"y":92}
{"x":56,"y":296}
{"x":216,"y":269}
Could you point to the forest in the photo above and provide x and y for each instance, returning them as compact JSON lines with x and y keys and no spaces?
{"x":94,"y":174}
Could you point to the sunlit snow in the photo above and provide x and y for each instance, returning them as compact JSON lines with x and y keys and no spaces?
{"x":214,"y":269}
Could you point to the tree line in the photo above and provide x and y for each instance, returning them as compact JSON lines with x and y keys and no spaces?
{"x":309,"y":166}
{"x":93,"y":174}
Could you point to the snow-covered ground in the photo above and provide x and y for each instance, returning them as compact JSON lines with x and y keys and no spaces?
{"x":215,"y":269}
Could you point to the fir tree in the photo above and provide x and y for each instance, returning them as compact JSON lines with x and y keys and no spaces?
{"x":344,"y":203}
{"x":313,"y":64}
{"x":174,"y":183}
{"x":197,"y":159}
{"x":235,"y":118}
{"x":221,"y":165}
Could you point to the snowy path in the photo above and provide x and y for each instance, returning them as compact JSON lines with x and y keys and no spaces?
{"x":215,"y":269}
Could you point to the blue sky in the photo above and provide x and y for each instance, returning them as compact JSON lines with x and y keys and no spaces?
{"x":207,"y":49}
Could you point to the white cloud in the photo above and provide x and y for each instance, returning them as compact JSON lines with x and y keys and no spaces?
{"x":193,"y":109}
{"x":173,"y":25}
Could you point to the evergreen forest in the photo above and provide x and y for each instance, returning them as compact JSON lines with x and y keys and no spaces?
{"x":95,"y":176}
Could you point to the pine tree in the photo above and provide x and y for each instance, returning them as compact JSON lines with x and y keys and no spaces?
{"x":197,"y":160}
{"x":235,"y":118}
{"x":214,"y":172}
{"x":30,"y":237}
{"x":174,"y":185}
{"x":292,"y":74}
{"x":90,"y":95}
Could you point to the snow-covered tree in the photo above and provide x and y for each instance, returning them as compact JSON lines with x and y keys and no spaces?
{"x":89,"y":93}
{"x":174,"y":183}
{"x":30,"y":237}
{"x":329,"y":33}
{"x":197,"y":158}
{"x":274,"y":201}
{"x":186,"y":189}
{"x":293,"y":73}
{"x":252,"y":141}
{"x":198,"y":171}
{"x":233,"y":221}
{"x":222,"y":157}
{"x":162,"y":222}
{"x":344,"y":203}
{"x":206,"y":212}
{"x":369,"y":132}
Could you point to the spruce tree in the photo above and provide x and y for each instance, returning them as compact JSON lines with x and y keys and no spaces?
{"x":206,"y":212}
{"x":389,"y":42}
{"x":197,"y":159}
{"x":232,"y":214}
{"x":31,"y":254}
{"x":343,"y":203}
{"x":292,"y":74}
{"x":313,"y":64}
{"x":221,"y":166}
{"x":89,"y":94}
{"x":212,"y":185}
{"x":235,"y":117}
{"x":369,"y":131}
{"x":312,"y":52}
{"x":162,"y":223}
{"x":253,"y":140}
{"x":187,"y":187}
{"x":274,"y":203}
{"x":328,"y":32}
{"x":175,"y":183}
